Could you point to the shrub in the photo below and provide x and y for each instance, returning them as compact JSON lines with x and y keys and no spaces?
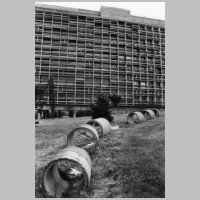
{"x":101,"y":108}
{"x":115,"y":99}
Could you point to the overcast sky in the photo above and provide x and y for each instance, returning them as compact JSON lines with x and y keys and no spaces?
{"x":154,"y":10}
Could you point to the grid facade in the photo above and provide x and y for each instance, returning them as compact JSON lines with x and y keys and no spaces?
{"x":90,"y":52}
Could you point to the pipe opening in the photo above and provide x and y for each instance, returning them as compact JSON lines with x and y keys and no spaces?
{"x":85,"y":137}
{"x":156,"y":112}
{"x":68,"y":173}
{"x":97,"y":126}
{"x":148,"y":114}
{"x":102,"y":125}
{"x":135,"y":117}
{"x":64,"y":177}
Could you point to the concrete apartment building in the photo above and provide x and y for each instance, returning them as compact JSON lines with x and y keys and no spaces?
{"x":90,"y":52}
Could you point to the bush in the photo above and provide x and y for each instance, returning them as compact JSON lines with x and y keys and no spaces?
{"x":101,"y":108}
{"x":115,"y":99}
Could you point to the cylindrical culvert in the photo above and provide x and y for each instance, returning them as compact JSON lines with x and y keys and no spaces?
{"x":102,"y":125}
{"x":84,"y":136}
{"x":148,"y":114}
{"x":135,"y":117}
{"x":69,"y":172}
{"x":156,"y":112}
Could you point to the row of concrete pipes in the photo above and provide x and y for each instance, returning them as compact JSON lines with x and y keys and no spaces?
{"x":70,"y":170}
{"x":140,"y":116}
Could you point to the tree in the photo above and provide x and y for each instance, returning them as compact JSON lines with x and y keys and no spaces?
{"x":39,"y":97}
{"x":101,"y":108}
{"x":115,"y":100}
{"x":51,"y":95}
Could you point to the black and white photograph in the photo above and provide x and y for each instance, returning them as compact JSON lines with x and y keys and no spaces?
{"x":99,"y":99}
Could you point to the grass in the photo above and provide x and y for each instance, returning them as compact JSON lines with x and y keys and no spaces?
{"x":129,"y":164}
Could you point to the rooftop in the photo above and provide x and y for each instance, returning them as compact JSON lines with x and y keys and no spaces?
{"x":106,"y":13}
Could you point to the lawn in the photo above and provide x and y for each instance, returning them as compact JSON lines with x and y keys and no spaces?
{"x":129,"y":164}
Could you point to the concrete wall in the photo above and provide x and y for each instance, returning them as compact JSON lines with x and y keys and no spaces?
{"x":114,"y":12}
{"x":125,"y":15}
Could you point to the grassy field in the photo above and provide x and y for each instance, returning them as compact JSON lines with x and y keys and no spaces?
{"x":130,"y":162}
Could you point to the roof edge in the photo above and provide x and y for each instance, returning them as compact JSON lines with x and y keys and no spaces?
{"x":130,"y":18}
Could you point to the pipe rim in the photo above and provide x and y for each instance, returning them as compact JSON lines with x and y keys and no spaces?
{"x":85,"y":128}
{"x":84,"y":162}
{"x":96,"y":122}
{"x":156,"y":111}
{"x":52,"y":164}
{"x":150,"y":113}
{"x":103,"y":123}
{"x":139,"y":115}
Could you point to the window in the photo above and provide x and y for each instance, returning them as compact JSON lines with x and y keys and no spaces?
{"x":136,"y":82}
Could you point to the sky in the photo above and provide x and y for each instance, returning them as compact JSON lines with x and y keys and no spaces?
{"x":155,"y":10}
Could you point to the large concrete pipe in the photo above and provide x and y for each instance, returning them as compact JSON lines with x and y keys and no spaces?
{"x":84,"y":136}
{"x":148,"y":114}
{"x":69,"y":172}
{"x":156,"y":112}
{"x":135,"y":117}
{"x":102,"y":126}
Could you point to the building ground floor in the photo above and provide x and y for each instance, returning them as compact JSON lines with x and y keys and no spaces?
{"x":79,"y":110}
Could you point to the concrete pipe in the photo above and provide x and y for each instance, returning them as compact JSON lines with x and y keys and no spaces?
{"x":156,"y":112}
{"x":68,"y":173}
{"x":148,"y":114}
{"x":84,"y":136}
{"x":102,"y":126}
{"x":135,"y":117}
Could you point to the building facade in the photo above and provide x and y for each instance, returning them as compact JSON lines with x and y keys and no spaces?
{"x":90,"y":52}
